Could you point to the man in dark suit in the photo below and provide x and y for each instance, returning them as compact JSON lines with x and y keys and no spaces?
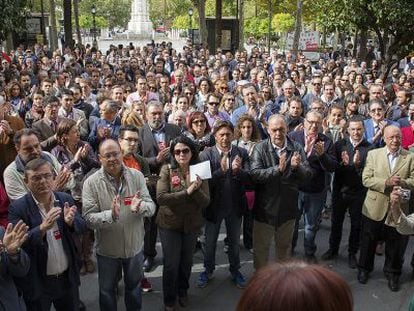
{"x":320,"y":153}
{"x":52,"y":219}
{"x":348,"y":191}
{"x":374,"y":126}
{"x":230,"y":172}
{"x":155,"y":137}
{"x":46,"y":128}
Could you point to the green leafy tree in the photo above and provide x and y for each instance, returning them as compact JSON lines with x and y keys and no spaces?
{"x":12,"y":15}
{"x":283,"y":22}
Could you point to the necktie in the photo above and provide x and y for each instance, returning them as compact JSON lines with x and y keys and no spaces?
{"x":225,"y":158}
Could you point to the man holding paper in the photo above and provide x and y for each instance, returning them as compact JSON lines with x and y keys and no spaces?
{"x":278,"y":167}
{"x":230,"y":172}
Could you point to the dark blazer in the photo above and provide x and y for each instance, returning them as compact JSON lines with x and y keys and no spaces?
{"x":227,"y":191}
{"x":326,"y":163}
{"x":9,"y":298}
{"x":36,"y":247}
{"x":277,"y":193}
{"x":148,"y":145}
{"x":45,"y":134}
{"x":370,"y":131}
{"x":348,"y":178}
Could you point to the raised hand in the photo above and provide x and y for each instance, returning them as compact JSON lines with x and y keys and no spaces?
{"x":194,"y":185}
{"x":282,"y":162}
{"x":295,"y":160}
{"x":136,"y":202}
{"x":116,"y":207}
{"x":345,"y":157}
{"x":50,"y":219}
{"x":61,"y":179}
{"x":14,"y":237}
{"x":69,"y":213}
{"x":236,"y":164}
{"x":319,"y":148}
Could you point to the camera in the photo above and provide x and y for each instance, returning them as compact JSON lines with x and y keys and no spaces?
{"x":405,"y":194}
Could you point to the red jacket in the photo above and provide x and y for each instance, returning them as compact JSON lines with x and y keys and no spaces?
{"x":407,"y":137}
{"x":4,"y":206}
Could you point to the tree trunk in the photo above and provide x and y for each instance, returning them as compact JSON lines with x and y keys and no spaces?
{"x":53,"y":31}
{"x":67,"y":22}
{"x":355,"y":48}
{"x":201,"y":7}
{"x":241,"y":25}
{"x":219,"y":14}
{"x":76,"y":13}
{"x":363,"y":39}
{"x":298,"y":28}
{"x":269,"y":27}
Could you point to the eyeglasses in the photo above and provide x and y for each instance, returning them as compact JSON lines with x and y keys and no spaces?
{"x":376,"y":109}
{"x":51,"y":106}
{"x":231,"y":99}
{"x":183,"y":151}
{"x":312,"y":122}
{"x":38,"y":178}
{"x":109,"y":155}
{"x":108,"y":85}
{"x":202,"y":121}
{"x":214,"y":103}
{"x":188,"y":93}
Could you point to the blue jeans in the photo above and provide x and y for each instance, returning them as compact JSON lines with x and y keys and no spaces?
{"x":177,"y":248}
{"x":310,"y":205}
{"x":108,"y":275}
{"x":212,"y":230}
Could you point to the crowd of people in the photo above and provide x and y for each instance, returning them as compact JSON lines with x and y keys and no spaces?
{"x":96,"y":151}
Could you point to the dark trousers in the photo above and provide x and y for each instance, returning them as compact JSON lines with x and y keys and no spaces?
{"x":248,"y":229}
{"x":150,"y":238}
{"x":212,"y":230}
{"x":340,"y":203}
{"x":57,"y":291}
{"x":177,"y":248}
{"x":395,"y":245}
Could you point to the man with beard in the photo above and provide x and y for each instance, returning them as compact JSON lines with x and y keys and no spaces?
{"x":157,"y":136}
{"x":28,"y":148}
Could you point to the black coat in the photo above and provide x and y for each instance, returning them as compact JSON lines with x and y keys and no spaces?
{"x":276,"y":199}
{"x":348,"y":178}
{"x":227,"y":190}
{"x":326,"y":163}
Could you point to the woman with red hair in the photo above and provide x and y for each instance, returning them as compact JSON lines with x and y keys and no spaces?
{"x":296,"y":286}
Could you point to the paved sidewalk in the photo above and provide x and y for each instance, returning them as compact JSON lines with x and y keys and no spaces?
{"x":221,"y":294}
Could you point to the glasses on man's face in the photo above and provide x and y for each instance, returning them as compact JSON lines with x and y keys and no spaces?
{"x":188,"y":93}
{"x":202,"y":121}
{"x":183,"y":151}
{"x":214,"y":103}
{"x":38,"y":178}
{"x":110,"y":155}
{"x":376,"y":110}
{"x":230,"y":99}
{"x":51,"y":106}
{"x":108,"y":85}
{"x":313,"y":122}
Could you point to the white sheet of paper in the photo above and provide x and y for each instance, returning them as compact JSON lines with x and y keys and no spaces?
{"x":201,"y":169}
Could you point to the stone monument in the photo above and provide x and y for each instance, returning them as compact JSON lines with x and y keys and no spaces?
{"x":140,"y":25}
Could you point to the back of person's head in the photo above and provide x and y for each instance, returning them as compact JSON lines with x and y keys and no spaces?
{"x":296,"y":286}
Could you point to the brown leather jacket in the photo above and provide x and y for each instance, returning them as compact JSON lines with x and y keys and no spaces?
{"x":179,"y":210}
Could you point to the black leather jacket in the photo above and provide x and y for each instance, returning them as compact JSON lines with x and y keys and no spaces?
{"x":276,"y":198}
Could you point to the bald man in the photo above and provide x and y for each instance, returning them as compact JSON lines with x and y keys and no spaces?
{"x":386,"y":168}
{"x":115,"y":202}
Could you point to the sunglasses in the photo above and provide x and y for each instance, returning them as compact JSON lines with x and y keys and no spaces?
{"x":199,"y":121}
{"x":183,"y":151}
{"x":214,"y":103}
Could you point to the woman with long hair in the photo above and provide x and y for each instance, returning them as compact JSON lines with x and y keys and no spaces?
{"x":79,"y":157}
{"x":179,"y":219}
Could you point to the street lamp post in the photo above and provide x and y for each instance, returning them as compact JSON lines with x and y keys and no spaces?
{"x":190,"y":14}
{"x":94,"y":42}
